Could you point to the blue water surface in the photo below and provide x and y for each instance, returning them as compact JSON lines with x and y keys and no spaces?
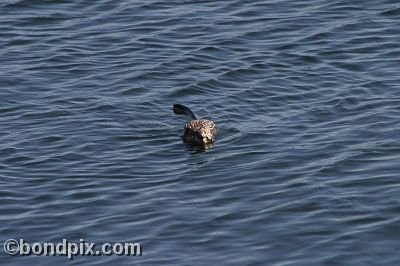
{"x":305,"y":169}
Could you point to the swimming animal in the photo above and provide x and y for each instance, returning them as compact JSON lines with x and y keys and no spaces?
{"x":197,"y":131}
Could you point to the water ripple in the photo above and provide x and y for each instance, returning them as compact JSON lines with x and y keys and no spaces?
{"x":305,"y":163}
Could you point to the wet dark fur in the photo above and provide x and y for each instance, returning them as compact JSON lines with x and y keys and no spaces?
{"x":197,"y":131}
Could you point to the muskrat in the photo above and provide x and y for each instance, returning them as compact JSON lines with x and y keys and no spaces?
{"x":197,"y":131}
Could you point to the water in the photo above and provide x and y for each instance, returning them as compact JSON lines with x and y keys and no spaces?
{"x":304,"y":170}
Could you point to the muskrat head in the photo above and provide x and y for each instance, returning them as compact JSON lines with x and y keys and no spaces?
{"x":193,"y":137}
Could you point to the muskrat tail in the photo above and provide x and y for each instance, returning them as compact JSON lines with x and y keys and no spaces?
{"x":180,"y":109}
